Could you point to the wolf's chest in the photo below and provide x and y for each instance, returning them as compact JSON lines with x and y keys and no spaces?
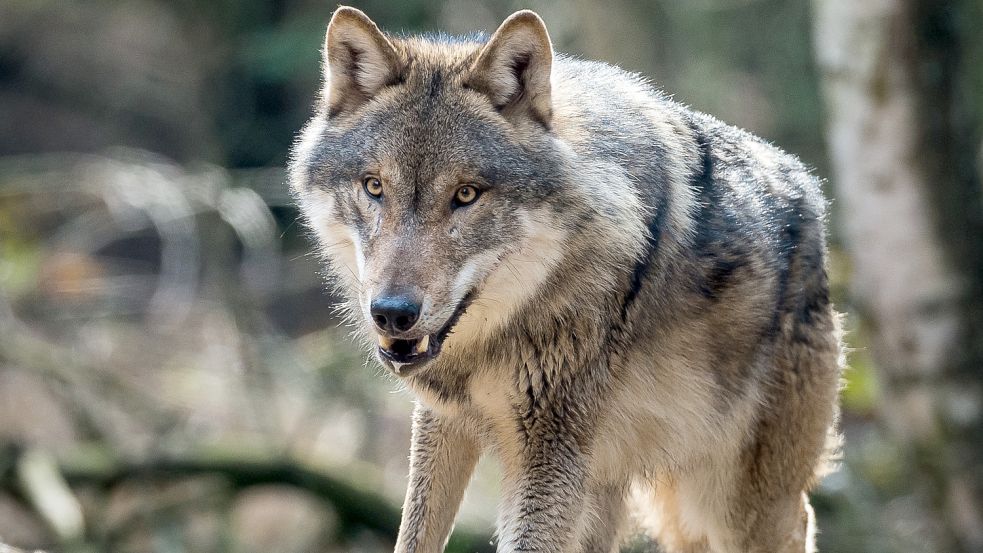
{"x":487,"y":398}
{"x":492,"y":397}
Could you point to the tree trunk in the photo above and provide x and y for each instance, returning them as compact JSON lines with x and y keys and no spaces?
{"x":903,"y":142}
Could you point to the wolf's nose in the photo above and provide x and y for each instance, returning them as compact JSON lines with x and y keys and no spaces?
{"x":394,"y":314}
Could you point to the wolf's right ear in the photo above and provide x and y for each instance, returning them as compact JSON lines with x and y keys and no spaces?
{"x":514,"y":68}
{"x":358,"y":60}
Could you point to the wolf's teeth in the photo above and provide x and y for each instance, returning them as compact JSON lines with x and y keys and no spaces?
{"x":423,"y":344}
{"x":386,"y":342}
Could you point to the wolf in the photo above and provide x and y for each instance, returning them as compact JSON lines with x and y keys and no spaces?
{"x":621,"y":299}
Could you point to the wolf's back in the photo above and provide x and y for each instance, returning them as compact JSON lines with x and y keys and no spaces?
{"x":719,"y":203}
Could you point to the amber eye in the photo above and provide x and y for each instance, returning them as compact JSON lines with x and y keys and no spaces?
{"x":465,"y":195}
{"x":373,"y":186}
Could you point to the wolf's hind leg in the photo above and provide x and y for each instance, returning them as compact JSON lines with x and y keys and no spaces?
{"x":770,"y":510}
{"x":783,"y":526}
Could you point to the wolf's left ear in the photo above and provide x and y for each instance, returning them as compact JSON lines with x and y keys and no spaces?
{"x":358,"y":60}
{"x":514,"y":67}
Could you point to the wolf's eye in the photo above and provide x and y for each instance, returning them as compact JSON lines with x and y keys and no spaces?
{"x":465,"y":195}
{"x":373,"y":186}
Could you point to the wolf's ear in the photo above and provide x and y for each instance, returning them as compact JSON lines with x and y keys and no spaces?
{"x":514,"y":68}
{"x":358,"y":60}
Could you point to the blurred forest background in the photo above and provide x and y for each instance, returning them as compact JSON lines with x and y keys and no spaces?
{"x":172,"y":378}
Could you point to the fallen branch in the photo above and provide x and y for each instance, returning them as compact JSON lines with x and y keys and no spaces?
{"x":356,"y":507}
{"x":4,"y":548}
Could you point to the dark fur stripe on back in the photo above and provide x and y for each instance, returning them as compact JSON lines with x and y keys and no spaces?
{"x":702,"y":181}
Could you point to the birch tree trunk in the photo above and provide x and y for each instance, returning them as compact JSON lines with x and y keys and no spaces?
{"x":903,"y":143}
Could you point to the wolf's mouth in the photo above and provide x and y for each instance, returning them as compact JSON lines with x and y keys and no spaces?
{"x":408,"y":355}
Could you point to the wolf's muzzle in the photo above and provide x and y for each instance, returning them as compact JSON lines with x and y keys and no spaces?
{"x":406,"y":356}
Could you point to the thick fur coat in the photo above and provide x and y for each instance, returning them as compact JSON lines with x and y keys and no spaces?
{"x":614,"y":295}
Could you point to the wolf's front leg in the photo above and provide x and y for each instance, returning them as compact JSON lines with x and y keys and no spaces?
{"x":544,"y":497}
{"x":442,"y":459}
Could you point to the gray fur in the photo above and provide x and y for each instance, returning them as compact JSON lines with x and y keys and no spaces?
{"x":681,"y":339}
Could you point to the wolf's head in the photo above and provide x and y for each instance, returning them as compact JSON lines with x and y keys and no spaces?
{"x":431,"y":180}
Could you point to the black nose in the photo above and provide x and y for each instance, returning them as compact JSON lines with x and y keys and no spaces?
{"x":393,"y":314}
